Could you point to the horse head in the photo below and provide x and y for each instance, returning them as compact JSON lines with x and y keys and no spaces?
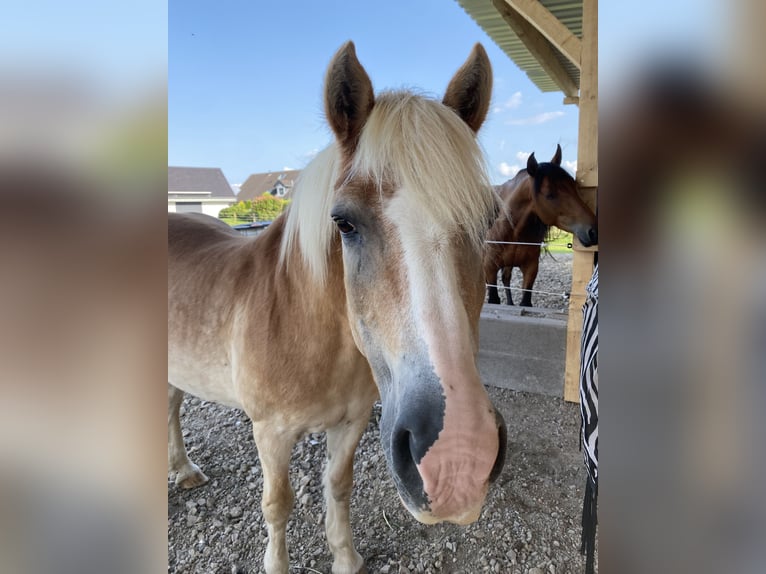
{"x":411,"y":204}
{"x":557,"y":201}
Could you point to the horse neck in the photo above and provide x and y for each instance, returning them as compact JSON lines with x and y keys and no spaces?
{"x":290,"y":283}
{"x":527,"y":225}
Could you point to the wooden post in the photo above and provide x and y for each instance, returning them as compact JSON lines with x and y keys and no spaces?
{"x":587,"y":178}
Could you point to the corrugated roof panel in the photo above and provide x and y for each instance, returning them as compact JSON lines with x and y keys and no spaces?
{"x":569,"y":12}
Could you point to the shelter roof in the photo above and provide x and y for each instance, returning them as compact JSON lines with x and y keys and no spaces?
{"x":541,"y":37}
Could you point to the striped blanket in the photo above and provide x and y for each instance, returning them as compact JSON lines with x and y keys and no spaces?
{"x":589,"y":415}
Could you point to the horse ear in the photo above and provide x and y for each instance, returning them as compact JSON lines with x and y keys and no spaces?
{"x":470,"y":89}
{"x":557,"y":157}
{"x":532,"y":165}
{"x":348,"y":96}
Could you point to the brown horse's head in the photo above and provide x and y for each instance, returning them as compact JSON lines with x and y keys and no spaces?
{"x":557,"y":201}
{"x":411,"y":203}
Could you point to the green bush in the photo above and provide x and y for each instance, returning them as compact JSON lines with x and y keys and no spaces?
{"x":226,"y":213}
{"x":267,"y":207}
{"x":264,"y":208}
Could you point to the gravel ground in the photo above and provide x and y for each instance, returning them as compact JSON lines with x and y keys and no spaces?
{"x":530,"y":523}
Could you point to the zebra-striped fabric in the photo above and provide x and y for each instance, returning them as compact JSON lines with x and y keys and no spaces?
{"x":589,"y":377}
{"x":589,"y":418}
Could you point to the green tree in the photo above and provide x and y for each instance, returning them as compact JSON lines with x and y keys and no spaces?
{"x":242,"y":210}
{"x":264,"y":208}
{"x":267,"y":207}
{"x":226,"y":212}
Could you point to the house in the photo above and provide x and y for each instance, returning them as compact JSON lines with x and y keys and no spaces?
{"x":198,"y":190}
{"x":277,"y":183}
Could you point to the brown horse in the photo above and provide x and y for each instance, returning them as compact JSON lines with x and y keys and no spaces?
{"x":306,"y":325}
{"x":536,"y":198}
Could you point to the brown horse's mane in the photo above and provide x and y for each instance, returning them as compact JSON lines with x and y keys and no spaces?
{"x":533,"y":224}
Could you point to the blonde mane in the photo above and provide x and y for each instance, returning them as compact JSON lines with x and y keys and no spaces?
{"x":419,"y":146}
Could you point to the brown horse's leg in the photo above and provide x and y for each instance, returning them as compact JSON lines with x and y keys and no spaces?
{"x":342,"y":441}
{"x":507,"y":271}
{"x":188,"y":474}
{"x":490,"y":277}
{"x":274,"y":450}
{"x":529,"y":271}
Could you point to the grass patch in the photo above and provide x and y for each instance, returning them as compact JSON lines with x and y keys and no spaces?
{"x":559,"y":241}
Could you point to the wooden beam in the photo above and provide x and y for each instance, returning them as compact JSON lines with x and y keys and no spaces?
{"x":538,"y":47}
{"x":587,"y":137}
{"x":582,"y":270}
{"x":550,"y":27}
{"x":587,"y":178}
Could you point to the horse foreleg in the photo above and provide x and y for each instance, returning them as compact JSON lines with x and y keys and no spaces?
{"x":188,"y":474}
{"x":506,"y":278}
{"x":529,"y":273}
{"x":490,"y":277}
{"x":342,"y":441}
{"x":274,"y":451}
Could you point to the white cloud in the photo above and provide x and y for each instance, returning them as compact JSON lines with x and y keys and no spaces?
{"x":287,"y":168}
{"x":235,"y":187}
{"x":514,"y":101}
{"x":570,"y":166}
{"x":508,"y":170}
{"x":510,"y":104}
{"x":536,"y":119}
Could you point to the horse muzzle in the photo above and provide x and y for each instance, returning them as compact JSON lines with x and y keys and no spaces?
{"x":588,"y":235}
{"x":443,"y":474}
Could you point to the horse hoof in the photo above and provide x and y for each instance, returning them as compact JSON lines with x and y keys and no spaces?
{"x":191,"y":478}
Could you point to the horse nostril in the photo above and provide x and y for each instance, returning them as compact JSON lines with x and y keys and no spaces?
{"x":593,"y":236}
{"x":403,"y":443}
{"x":404,"y":455}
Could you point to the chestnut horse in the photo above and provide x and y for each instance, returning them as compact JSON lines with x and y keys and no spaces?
{"x":306,"y":325}
{"x":536,"y":198}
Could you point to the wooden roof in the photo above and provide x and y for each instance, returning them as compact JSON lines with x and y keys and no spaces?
{"x":542,"y":37}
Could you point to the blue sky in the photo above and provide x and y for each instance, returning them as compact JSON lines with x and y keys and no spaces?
{"x":245,"y":80}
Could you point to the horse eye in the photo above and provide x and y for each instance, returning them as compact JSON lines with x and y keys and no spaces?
{"x":343,"y":226}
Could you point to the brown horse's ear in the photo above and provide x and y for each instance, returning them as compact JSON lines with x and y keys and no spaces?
{"x":532,"y":165}
{"x":557,"y":157}
{"x":348,"y":96}
{"x":470,"y":90}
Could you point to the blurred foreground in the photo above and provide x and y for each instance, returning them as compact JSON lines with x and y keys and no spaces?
{"x":83,"y":148}
{"x":682,"y":211}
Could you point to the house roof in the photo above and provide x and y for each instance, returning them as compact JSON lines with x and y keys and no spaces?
{"x":198,"y":181}
{"x":545,"y":55}
{"x":259,"y":183}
